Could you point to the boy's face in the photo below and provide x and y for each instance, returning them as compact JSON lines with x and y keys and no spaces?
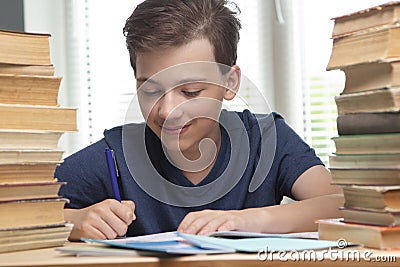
{"x":180,"y":92}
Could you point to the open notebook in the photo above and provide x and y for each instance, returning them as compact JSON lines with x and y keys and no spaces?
{"x":174,"y":243}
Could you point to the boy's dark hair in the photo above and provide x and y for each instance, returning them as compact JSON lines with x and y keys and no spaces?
{"x":158,"y":24}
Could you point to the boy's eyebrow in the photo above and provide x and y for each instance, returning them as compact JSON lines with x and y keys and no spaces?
{"x":191,"y":80}
{"x":182,"y":81}
{"x":143,"y":79}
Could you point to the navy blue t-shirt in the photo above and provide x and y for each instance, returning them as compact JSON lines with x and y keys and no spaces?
{"x":261,"y":154}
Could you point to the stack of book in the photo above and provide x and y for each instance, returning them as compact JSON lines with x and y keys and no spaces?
{"x":31,"y":124}
{"x":367,"y":159}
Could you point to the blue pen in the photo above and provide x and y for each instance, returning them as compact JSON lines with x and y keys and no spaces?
{"x":113,"y":170}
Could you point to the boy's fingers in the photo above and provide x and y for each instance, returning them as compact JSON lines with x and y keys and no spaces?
{"x":212,"y":226}
{"x":111,"y":217}
{"x":123,"y":210}
{"x":107,"y":228}
{"x":183,"y":225}
{"x":92,"y":232}
{"x":92,"y":225}
{"x":112,"y":225}
{"x":194,"y":222}
{"x":188,"y":221}
{"x":130,"y":204}
{"x":86,"y":230}
{"x":226,"y":226}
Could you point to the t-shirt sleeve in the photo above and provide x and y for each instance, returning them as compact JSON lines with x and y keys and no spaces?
{"x":86,"y":175}
{"x":295,"y":157}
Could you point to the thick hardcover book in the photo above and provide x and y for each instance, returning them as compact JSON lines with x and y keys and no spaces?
{"x":368,"y":123}
{"x":382,"y":16}
{"x":29,"y":90}
{"x":380,"y":100}
{"x":16,"y":69}
{"x":24,"y":139}
{"x":13,"y":156}
{"x":380,"y":237}
{"x":24,"y":48}
{"x":34,"y":237}
{"x":383,"y":218}
{"x":377,"y":198}
{"x":377,"y":46}
{"x":28,"y":117}
{"x":367,"y":143}
{"x":364,"y":161}
{"x":27,"y":173}
{"x":25,"y":213}
{"x":25,"y":191}
{"x":365,"y":176}
{"x":370,"y":76}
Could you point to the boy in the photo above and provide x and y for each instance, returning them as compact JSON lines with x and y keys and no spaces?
{"x":192,"y":167}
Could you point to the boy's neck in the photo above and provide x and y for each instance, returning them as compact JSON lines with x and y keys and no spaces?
{"x":196,"y":177}
{"x":200,"y":168}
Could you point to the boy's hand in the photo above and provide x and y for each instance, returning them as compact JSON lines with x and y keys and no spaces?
{"x":207,"y":221}
{"x":104,"y":220}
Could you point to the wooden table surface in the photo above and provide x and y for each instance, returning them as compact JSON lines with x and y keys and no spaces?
{"x":50,"y":257}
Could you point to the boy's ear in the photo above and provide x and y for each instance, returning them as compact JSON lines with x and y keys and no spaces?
{"x":232,"y":82}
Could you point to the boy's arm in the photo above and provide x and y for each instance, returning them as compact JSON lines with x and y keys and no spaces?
{"x":317,"y":199}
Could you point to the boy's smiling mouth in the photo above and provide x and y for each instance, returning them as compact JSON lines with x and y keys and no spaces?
{"x":174,"y":130}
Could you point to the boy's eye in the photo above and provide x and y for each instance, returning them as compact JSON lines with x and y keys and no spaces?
{"x":152,"y":92}
{"x":192,"y":93}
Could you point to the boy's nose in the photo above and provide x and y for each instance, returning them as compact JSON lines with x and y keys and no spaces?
{"x":169,"y":106}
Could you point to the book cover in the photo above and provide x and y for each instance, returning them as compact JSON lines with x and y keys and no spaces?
{"x":367,"y":144}
{"x":24,"y":48}
{"x":12,"y":156}
{"x":364,"y":161}
{"x":29,"y":139}
{"x":376,"y":46}
{"x":370,"y":19}
{"x":27,"y":191}
{"x":368,"y":123}
{"x":28,"y":117}
{"x":27,"y":173}
{"x":376,"y":198}
{"x":38,"y":212}
{"x":379,"y":237}
{"x":380,"y":100}
{"x":365,"y":176}
{"x":29,"y":90}
{"x":16,"y":69}
{"x":370,"y":76}
{"x":372,"y":217}
{"x":34,"y":237}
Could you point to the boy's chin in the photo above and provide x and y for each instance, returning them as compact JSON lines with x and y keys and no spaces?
{"x":173,"y":147}
{"x":177,"y":149}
